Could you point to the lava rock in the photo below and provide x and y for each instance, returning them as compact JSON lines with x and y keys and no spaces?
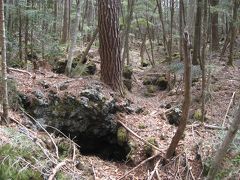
{"x":174,"y":116}
{"x":88,"y":116}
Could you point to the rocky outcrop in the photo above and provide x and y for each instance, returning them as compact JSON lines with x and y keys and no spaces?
{"x":88,"y":117}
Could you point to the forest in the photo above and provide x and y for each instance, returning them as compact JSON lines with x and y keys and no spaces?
{"x":119,"y":89}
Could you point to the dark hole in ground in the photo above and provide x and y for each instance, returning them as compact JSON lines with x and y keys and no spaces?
{"x":106,"y":147}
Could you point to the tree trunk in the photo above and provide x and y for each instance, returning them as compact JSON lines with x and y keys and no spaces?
{"x":160,"y":12}
{"x":85,"y":53}
{"x":26,"y":34}
{"x":187,"y":97}
{"x":181,"y":29}
{"x":109,"y":41}
{"x":126,"y":42}
{"x":4,"y":64}
{"x":20,"y":33}
{"x":197,"y":34}
{"x":214,"y":25}
{"x":73,"y":41}
{"x":233,"y":31}
{"x":65,"y":27}
{"x":203,"y":56}
{"x":235,"y":125}
{"x":55,"y":16}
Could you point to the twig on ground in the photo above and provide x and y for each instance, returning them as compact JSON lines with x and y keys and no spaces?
{"x":154,"y":170}
{"x":56,"y":169}
{"x":143,"y":140}
{"x":229,"y":105}
{"x":94,"y":173}
{"x":208,"y":126}
{"x":20,"y":70}
{"x":188,"y":166}
{"x":56,"y":148}
{"x":63,"y":135}
{"x":143,"y":162}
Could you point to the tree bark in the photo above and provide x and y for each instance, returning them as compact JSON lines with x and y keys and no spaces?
{"x":85,"y":53}
{"x":73,"y":41}
{"x":203,"y":56}
{"x":214,"y":26}
{"x":109,"y":40}
{"x":4,"y":64}
{"x":65,"y":27}
{"x":197,"y":34}
{"x":187,"y":97}
{"x":233,"y":31}
{"x":55,"y":16}
{"x":235,"y":125}
{"x":20,"y":33}
{"x":126,"y":42}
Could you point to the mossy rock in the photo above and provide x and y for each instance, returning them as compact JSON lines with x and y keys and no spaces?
{"x":144,"y":64}
{"x":152,"y":89}
{"x":91,"y":68}
{"x":122,"y":136}
{"x":176,"y":56}
{"x":198,"y":115}
{"x":162,"y":83}
{"x":149,"y":81}
{"x":148,"y":150}
{"x":127,"y":72}
{"x":142,"y":126}
{"x":128,"y":84}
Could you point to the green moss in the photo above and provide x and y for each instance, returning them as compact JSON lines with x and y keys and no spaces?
{"x":148,"y":150}
{"x":122,"y":136}
{"x":127,"y":72}
{"x":9,"y":169}
{"x":64,"y":148}
{"x":151,"y":89}
{"x":142,"y":126}
{"x":144,"y":63}
{"x":198,"y":115}
{"x":147,"y":81}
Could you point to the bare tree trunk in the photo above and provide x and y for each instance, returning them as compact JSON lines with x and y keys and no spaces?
{"x":197,"y":34}
{"x":65,"y":27}
{"x":233,"y":31}
{"x":187,"y":97}
{"x":26,"y":34}
{"x":181,"y":29}
{"x":160,"y":12}
{"x":109,"y":40}
{"x":235,"y":125}
{"x":214,"y":24}
{"x":20,"y":33}
{"x":203,"y":56}
{"x":85,"y":53}
{"x":73,"y":41}
{"x":126,"y":42}
{"x":55,"y":16}
{"x":4,"y":64}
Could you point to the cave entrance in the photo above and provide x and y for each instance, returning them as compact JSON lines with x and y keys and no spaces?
{"x":106,"y":147}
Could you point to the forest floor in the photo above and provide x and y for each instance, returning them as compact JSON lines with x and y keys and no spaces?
{"x":198,"y":146}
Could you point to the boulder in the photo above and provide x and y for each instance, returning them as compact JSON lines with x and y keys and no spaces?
{"x":89,"y":117}
{"x":174,"y":116}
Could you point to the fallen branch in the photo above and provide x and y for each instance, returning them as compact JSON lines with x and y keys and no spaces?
{"x":56,"y":169}
{"x":143,"y":162}
{"x":143,"y":140}
{"x":209,"y":126}
{"x":154,"y":170}
{"x":229,"y":105}
{"x":20,"y":70}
